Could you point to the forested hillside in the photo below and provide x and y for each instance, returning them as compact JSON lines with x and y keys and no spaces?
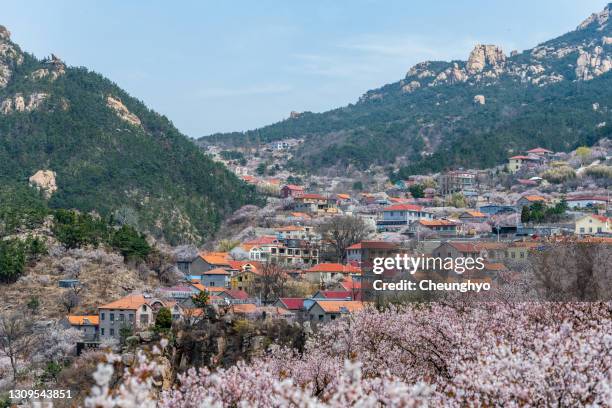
{"x":105,"y":151}
{"x":463,"y":113}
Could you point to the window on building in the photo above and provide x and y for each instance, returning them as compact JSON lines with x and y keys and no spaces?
{"x":112,"y":317}
{"x":112,"y":332}
{"x":121,"y":317}
{"x":102,"y":331}
{"x":321,"y":317}
{"x":102,"y":316}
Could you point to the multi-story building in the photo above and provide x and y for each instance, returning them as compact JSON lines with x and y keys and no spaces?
{"x":295,"y":252}
{"x":87,"y":325}
{"x":305,"y":232}
{"x":593,"y":224}
{"x":395,"y":217}
{"x":445,"y":228}
{"x":515,"y":163}
{"x":364,"y":252}
{"x":291,"y":190}
{"x":132,"y":313}
{"x":457,"y":182}
{"x":315,"y":203}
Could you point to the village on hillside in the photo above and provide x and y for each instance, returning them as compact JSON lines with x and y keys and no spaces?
{"x":303,"y":257}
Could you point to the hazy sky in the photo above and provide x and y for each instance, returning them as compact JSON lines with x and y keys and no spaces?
{"x":237,"y":65}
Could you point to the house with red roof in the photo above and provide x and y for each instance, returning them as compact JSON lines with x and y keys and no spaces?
{"x":234,"y":296}
{"x":294,"y":305}
{"x":515,"y":163}
{"x":398,"y":216}
{"x":540,"y":151}
{"x":292,"y":191}
{"x":586,"y":201}
{"x":333,"y":295}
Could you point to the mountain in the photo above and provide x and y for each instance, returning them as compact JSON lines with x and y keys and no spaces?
{"x":90,"y":146}
{"x":463,"y":113}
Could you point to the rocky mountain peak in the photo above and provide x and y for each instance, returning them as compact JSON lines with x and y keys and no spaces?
{"x":4,"y":33}
{"x":600,"y":18}
{"x":483,"y":56}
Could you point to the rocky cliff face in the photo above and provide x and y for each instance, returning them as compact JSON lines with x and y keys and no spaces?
{"x":9,"y":56}
{"x":484,"y":56}
{"x":44,"y":180}
{"x":21,"y":103}
{"x":122,"y":111}
{"x":586,"y":51}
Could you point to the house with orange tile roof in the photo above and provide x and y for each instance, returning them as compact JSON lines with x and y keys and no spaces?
{"x":250,"y":179}
{"x":444,"y":228}
{"x":473,"y":216}
{"x":295,"y":232}
{"x":528,"y":200}
{"x":321,"y":311}
{"x":327,"y":272}
{"x":87,"y":325}
{"x":210,"y":289}
{"x":203,"y":262}
{"x":133,"y":312}
{"x":366,"y":251}
{"x":258,"y":249}
{"x":519,"y":251}
{"x":217,"y":277}
{"x":593,"y":224}
{"x":299,"y":216}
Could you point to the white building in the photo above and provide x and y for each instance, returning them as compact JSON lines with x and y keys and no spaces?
{"x":396,"y":216}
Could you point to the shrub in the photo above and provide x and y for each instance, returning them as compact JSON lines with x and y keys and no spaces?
{"x":75,"y":230}
{"x":132,"y":245}
{"x":559,"y":174}
{"x":599,"y":171}
{"x":163,"y":320}
{"x":12,"y":260}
